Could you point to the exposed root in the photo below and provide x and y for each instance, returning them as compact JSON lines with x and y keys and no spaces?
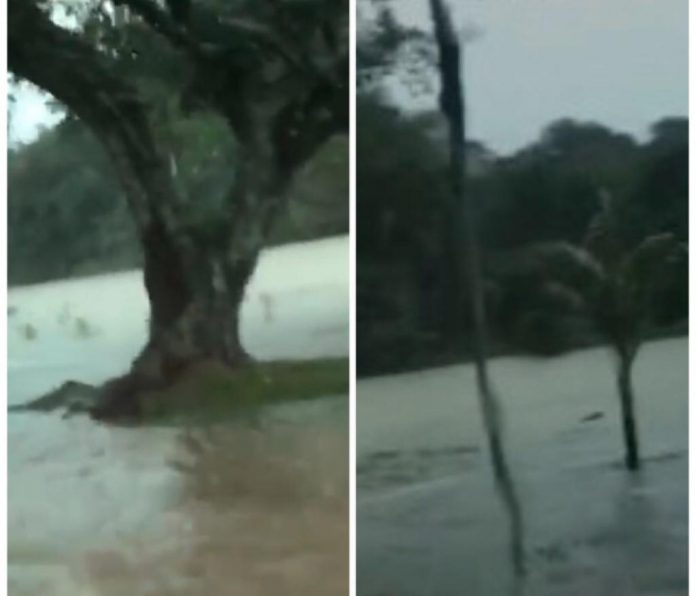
{"x":118,"y":400}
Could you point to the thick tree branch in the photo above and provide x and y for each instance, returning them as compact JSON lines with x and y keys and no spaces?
{"x":200,"y":46}
{"x":287,"y":117}
{"x":75,"y":73}
{"x":303,"y":126}
{"x":163,"y":23}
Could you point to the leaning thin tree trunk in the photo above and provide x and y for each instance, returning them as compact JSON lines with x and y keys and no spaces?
{"x":628,"y":419}
{"x":452,"y":104}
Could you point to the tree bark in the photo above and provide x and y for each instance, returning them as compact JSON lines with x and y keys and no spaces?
{"x":466,"y":245}
{"x":628,"y":419}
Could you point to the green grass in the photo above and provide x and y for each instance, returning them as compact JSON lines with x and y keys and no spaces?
{"x":210,"y":391}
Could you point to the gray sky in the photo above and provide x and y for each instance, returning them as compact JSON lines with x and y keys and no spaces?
{"x":30,"y":114}
{"x":620,"y":62}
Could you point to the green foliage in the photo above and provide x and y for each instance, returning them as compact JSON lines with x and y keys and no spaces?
{"x":400,"y":187}
{"x":401,"y":194}
{"x":318,"y":199}
{"x":615,"y":288}
{"x":230,"y":392}
{"x":535,"y":204}
{"x":68,"y":216}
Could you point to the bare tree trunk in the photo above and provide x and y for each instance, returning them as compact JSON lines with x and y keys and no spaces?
{"x":198,"y":319}
{"x":628,"y":419}
{"x":452,"y":104}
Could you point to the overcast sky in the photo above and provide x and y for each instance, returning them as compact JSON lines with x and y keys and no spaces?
{"x":620,"y":62}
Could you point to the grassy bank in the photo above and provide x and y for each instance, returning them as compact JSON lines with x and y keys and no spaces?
{"x":209,"y":391}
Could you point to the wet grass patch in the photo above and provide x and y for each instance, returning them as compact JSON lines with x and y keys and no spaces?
{"x":210,"y":391}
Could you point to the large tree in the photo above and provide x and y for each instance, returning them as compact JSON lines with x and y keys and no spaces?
{"x":275,"y":71}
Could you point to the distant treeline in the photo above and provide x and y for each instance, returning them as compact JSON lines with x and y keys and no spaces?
{"x":548,"y":191}
{"x":67,"y":214}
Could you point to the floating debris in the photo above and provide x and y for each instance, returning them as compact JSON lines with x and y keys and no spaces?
{"x":267,"y":306}
{"x":83,"y":328}
{"x":592,"y":417}
{"x":29,"y":332}
{"x":64,"y":315}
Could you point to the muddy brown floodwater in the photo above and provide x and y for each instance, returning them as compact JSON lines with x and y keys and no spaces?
{"x":261,"y":511}
{"x":251,"y":507}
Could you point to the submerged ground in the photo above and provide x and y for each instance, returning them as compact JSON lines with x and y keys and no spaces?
{"x":255,"y":506}
{"x":429,"y":522}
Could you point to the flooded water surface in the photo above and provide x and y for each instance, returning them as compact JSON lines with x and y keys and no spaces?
{"x":255,"y":506}
{"x":429,"y":520}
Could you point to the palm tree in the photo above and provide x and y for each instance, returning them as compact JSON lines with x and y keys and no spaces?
{"x":614,"y":281}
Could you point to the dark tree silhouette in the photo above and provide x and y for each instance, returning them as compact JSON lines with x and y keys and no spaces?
{"x":464,"y":243}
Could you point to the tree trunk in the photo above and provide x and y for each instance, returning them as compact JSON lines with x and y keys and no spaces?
{"x":192,"y":317}
{"x":628,"y":419}
{"x":195,"y":285}
{"x":466,"y":246}
{"x":456,"y":328}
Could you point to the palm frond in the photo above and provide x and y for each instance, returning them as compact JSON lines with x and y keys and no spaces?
{"x":651,"y":256}
{"x":649,"y":266}
{"x":565,"y":296}
{"x":573,"y":267}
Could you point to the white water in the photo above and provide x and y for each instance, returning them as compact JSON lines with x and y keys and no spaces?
{"x":296,"y":306}
{"x":77,"y":489}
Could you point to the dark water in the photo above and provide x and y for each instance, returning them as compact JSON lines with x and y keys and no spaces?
{"x":429,"y":521}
